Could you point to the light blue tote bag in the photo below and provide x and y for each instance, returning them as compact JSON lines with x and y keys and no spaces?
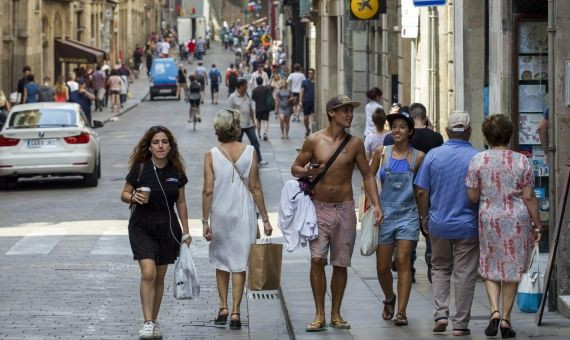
{"x":531,"y":286}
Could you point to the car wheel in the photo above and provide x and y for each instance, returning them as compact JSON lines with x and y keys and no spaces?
{"x":99,"y":167}
{"x":4,"y":183}
{"x":92,"y":179}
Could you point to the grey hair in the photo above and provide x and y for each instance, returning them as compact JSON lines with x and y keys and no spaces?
{"x":227,"y":125}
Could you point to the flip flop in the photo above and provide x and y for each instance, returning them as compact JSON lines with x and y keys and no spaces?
{"x":340,"y":324}
{"x":316,"y":326}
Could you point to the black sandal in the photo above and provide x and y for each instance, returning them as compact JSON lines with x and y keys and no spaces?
{"x":401,"y":319}
{"x":221,"y":319}
{"x":235,"y":324}
{"x":508,"y":332}
{"x":391,"y":302}
{"x":493,"y":326}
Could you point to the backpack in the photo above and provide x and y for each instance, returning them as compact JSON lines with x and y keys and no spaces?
{"x":233,"y":79}
{"x":195,"y":87}
{"x":214,"y":75}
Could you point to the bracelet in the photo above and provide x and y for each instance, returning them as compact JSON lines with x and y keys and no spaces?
{"x":205,"y":221}
{"x":537,"y":230}
{"x":185,"y":237}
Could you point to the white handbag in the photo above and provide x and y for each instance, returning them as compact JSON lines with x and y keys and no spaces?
{"x":368,"y":234}
{"x":531,"y":287}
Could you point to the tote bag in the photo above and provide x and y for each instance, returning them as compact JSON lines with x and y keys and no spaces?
{"x":368,"y":234}
{"x":531,"y":286}
{"x":264,"y":270}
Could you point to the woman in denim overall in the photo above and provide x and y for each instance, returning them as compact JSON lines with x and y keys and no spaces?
{"x":399,"y":164}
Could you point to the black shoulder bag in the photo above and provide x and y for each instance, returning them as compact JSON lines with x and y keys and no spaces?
{"x":133,"y":206}
{"x":306,"y":185}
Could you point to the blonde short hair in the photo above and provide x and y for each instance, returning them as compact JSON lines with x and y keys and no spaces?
{"x":227,"y":125}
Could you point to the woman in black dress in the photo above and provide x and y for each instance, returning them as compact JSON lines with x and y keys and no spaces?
{"x":154,"y":231}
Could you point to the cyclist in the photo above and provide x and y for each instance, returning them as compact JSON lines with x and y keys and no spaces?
{"x":194,"y":98}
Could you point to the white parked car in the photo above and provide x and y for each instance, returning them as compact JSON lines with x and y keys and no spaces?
{"x":49,"y":139}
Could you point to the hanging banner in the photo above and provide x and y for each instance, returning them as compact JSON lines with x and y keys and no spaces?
{"x":410,"y":19}
{"x":367,"y":9}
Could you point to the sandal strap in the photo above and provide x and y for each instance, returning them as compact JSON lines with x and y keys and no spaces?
{"x":390,"y":302}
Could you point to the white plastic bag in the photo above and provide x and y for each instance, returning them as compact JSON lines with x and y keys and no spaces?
{"x":368,"y":233}
{"x":186,"y":285}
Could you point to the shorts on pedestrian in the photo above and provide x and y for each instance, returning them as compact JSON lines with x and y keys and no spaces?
{"x":262,"y":115}
{"x":215,"y":88}
{"x":337,"y":232}
{"x":400,"y":223}
{"x":113,"y":92}
{"x":194,"y":102}
{"x":308,"y":108}
{"x":101,"y":93}
{"x":296,"y":96}
{"x":151,"y":238}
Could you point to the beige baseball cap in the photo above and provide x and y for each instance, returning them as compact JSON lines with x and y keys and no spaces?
{"x":458,"y":121}
{"x":340,"y":100}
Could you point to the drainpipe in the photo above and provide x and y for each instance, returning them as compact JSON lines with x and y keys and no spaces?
{"x":459,"y":88}
{"x":551,"y":146}
{"x":434,"y":116}
{"x":367,"y":55}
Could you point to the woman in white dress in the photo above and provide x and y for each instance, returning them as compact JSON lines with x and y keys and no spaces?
{"x":230,"y":206}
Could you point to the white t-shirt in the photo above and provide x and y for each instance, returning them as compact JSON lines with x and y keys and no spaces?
{"x":369,"y":109}
{"x":73,"y":85}
{"x":243,"y":104}
{"x":164,"y":47}
{"x":295,"y":79}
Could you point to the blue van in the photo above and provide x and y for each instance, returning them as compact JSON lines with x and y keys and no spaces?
{"x":163,"y":78}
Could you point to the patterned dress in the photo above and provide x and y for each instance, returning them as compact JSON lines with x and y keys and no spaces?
{"x":505,"y":232}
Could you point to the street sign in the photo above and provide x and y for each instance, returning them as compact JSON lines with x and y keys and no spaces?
{"x":420,"y":3}
{"x":367,"y":9}
{"x":410,"y":19}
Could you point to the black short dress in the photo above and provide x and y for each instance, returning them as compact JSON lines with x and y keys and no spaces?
{"x":150,"y":234}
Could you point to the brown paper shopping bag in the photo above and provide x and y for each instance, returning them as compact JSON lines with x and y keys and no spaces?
{"x":264,"y":272}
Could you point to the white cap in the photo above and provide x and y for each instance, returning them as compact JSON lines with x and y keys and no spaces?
{"x":458,"y":121}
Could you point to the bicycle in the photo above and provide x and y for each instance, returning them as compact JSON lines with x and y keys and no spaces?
{"x":193,"y":116}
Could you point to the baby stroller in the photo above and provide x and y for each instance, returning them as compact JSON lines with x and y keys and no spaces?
{"x":239,"y":57}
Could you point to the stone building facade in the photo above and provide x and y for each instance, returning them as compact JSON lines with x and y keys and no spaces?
{"x":29,"y":29}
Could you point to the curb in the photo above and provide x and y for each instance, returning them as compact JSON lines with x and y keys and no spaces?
{"x":126,"y":110}
{"x":288,"y":323}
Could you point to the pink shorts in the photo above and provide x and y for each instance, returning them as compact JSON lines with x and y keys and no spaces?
{"x":337,"y":231}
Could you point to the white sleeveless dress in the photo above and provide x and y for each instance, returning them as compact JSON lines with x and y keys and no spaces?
{"x":232,"y":216}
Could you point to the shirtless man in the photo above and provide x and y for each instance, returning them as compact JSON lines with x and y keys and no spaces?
{"x":333,"y":199}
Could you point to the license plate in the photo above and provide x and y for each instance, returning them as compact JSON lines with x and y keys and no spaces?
{"x":42,"y":143}
{"x":164,"y":91}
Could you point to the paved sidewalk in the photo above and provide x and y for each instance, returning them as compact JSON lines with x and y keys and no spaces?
{"x":139,"y":89}
{"x":363,"y":297}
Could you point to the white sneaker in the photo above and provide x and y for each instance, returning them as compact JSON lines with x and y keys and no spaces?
{"x":263,"y":164}
{"x":157,"y":333}
{"x":147,"y":332}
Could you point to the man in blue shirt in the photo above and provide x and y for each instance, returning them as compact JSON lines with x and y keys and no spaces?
{"x":84,"y":98}
{"x":451,"y":223}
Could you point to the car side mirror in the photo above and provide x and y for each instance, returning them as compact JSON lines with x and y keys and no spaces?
{"x":97,"y":124}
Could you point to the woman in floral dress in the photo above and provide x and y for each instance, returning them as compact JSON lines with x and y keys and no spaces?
{"x":502,"y":182}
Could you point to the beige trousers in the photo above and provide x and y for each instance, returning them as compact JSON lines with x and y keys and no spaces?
{"x":459,"y":258}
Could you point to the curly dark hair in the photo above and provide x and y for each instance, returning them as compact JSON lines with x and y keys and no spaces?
{"x":141,"y":152}
{"x":498,"y":129}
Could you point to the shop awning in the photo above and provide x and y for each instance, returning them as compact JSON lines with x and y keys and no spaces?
{"x":75,"y":52}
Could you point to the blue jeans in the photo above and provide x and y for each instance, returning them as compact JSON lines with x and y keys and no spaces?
{"x":250,"y":132}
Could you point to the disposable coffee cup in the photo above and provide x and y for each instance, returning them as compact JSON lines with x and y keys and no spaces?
{"x":146,"y":193}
